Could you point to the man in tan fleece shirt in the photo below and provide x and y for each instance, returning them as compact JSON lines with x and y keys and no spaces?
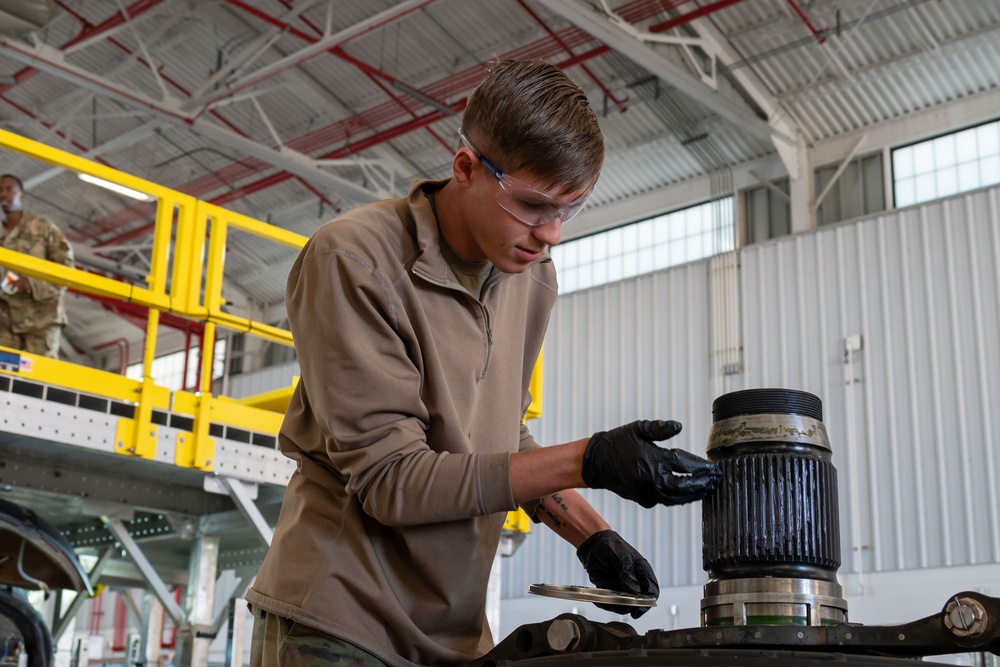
{"x":417,"y":322}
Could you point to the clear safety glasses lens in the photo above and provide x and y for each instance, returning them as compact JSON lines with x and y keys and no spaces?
{"x":524,"y":201}
{"x":532,"y":206}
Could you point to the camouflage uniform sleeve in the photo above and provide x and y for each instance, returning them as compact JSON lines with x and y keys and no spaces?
{"x":57,"y":249}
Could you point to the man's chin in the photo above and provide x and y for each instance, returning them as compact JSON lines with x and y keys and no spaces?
{"x":512,"y":267}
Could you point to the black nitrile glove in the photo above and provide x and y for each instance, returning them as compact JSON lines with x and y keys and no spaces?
{"x":626,"y":460}
{"x":613,"y":563}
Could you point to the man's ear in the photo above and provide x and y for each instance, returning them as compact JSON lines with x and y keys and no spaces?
{"x":462,"y":167}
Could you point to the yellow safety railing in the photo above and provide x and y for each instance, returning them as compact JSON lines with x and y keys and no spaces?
{"x":179,"y":282}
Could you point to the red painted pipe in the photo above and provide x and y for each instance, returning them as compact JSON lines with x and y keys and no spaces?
{"x":128,"y":309}
{"x":710,"y":8}
{"x":118,"y":634}
{"x":805,"y":19}
{"x":122,"y":345}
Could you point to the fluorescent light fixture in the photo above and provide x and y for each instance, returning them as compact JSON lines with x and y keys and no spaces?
{"x":114,"y":187}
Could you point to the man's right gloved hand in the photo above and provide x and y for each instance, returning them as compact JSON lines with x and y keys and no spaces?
{"x":626,"y":460}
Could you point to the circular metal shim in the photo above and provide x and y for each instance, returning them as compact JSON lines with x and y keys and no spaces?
{"x":595,"y":595}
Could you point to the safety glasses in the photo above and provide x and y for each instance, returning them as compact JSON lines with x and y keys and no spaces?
{"x":524,"y":201}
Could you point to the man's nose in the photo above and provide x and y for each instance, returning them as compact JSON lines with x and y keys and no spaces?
{"x":550,"y":233}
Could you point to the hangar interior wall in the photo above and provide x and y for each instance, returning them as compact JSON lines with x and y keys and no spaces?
{"x":891,"y":319}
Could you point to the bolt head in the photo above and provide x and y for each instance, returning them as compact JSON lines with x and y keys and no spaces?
{"x":563,"y":635}
{"x":965,"y":617}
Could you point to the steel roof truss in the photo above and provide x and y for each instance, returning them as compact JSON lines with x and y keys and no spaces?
{"x":51,"y":60}
{"x":113,"y":25}
{"x":145,"y":52}
{"x":608,"y":31}
{"x":321,"y":45}
{"x":124,"y":140}
{"x":247,"y":56}
{"x":787,"y":137}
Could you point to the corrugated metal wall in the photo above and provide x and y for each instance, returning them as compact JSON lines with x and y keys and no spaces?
{"x":266,"y":379}
{"x":909,"y":413}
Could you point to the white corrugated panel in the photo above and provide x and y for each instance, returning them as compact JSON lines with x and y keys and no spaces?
{"x":909,"y":415}
{"x":635,"y":349}
{"x":921,"y":288}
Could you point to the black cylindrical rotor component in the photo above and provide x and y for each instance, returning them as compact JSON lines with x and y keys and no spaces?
{"x":776,"y":512}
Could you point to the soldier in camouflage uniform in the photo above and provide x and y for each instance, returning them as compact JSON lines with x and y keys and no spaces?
{"x":32,"y":318}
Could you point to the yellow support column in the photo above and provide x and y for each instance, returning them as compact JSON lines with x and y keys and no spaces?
{"x":197,"y":449}
{"x":137,"y":436}
{"x":517,"y":520}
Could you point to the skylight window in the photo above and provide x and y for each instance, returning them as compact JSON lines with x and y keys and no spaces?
{"x":646,"y":246}
{"x":947,"y":165}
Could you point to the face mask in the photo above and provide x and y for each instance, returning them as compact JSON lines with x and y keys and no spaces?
{"x":15,"y":204}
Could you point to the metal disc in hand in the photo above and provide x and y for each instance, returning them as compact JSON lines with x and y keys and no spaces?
{"x":595,"y":595}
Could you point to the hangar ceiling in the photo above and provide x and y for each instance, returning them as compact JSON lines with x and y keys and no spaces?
{"x":291,"y":111}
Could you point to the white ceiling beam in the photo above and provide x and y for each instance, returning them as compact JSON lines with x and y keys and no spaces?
{"x":50,"y":60}
{"x":323,"y":44}
{"x":788,"y":137}
{"x":66,"y":117}
{"x":288,"y":160}
{"x":254,"y":50}
{"x":142,"y":47}
{"x":394,"y":163}
{"x":604,"y":28}
{"x":133,"y":136}
{"x":129,"y":22}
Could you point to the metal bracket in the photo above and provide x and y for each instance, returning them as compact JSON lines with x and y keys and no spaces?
{"x":683,"y":41}
{"x":145,"y":569}
{"x":244,"y":502}
{"x":70,"y":614}
{"x":836,"y":175}
{"x":970,"y":621}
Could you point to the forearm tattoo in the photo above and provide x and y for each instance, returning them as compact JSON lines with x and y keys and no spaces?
{"x":552,"y":504}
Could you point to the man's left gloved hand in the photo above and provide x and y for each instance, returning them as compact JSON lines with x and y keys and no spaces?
{"x":613,"y":563}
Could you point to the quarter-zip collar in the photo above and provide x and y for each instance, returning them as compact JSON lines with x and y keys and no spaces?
{"x":430,"y":264}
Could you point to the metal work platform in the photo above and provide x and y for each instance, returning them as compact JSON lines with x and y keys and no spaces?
{"x":162,"y":487}
{"x":61,"y":441}
{"x":145,"y":518}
